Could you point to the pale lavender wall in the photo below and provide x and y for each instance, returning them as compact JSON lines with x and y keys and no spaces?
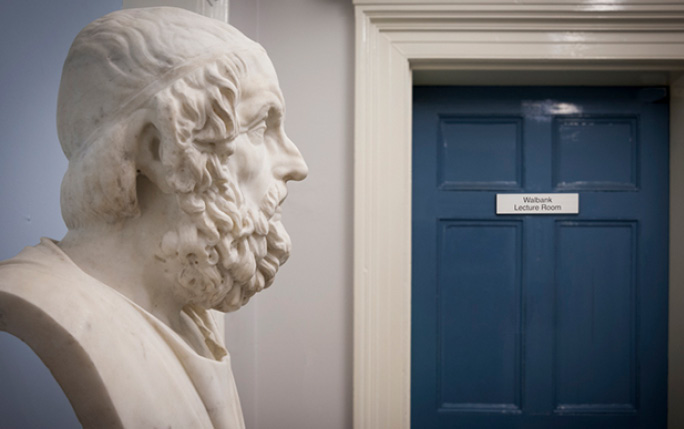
{"x":34,"y":39}
{"x":302,"y":372}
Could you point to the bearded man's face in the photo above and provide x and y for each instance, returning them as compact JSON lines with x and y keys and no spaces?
{"x":230,"y":241}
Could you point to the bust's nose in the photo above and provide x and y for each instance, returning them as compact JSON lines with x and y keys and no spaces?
{"x":290,"y":164}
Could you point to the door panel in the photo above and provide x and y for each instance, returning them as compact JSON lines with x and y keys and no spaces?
{"x":595,"y":316}
{"x":547,"y":320}
{"x":595,"y":153}
{"x":480,"y":153}
{"x":480,"y":312}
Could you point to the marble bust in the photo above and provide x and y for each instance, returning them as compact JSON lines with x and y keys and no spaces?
{"x":178,"y":161}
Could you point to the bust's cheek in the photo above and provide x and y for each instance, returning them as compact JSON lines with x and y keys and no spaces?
{"x":250,"y":165}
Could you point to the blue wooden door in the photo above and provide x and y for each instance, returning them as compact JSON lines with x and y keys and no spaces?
{"x":539,"y":321}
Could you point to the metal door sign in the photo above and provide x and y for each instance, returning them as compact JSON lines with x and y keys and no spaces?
{"x":537,"y":204}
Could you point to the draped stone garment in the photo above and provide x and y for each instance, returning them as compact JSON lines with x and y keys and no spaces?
{"x":118,"y":365}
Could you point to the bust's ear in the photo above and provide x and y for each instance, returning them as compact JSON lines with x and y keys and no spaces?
{"x":101,"y":178}
{"x":148,"y":159}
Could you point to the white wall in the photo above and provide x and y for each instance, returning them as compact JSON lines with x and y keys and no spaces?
{"x":34,"y":39}
{"x":301,"y":374}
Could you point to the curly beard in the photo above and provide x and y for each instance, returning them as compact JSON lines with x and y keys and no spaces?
{"x":221,"y":254}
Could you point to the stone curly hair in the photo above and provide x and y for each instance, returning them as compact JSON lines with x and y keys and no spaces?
{"x":117,"y":78}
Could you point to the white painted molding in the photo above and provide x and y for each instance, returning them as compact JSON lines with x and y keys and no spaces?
{"x":395,"y":37}
{"x":217,"y":9}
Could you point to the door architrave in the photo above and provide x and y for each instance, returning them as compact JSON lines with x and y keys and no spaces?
{"x":395,"y":38}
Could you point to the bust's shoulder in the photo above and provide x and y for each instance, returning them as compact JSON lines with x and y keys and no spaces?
{"x":41,"y":286}
{"x":33,"y":266}
{"x":37,"y":301}
{"x":99,"y":346}
{"x":44,"y":277}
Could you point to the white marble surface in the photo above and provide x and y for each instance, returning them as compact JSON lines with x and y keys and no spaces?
{"x":173,"y":125}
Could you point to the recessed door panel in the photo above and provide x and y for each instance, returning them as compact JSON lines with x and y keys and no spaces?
{"x":595,"y":153}
{"x":595,"y":307}
{"x":480,"y":306}
{"x":464,"y":162}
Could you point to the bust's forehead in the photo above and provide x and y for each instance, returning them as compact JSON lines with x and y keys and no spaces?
{"x":126,"y":55}
{"x":259,"y":91}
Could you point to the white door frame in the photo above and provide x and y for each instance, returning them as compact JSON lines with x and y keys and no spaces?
{"x":395,"y":37}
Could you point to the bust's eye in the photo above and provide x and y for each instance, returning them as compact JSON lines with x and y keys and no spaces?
{"x":257,"y":132}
